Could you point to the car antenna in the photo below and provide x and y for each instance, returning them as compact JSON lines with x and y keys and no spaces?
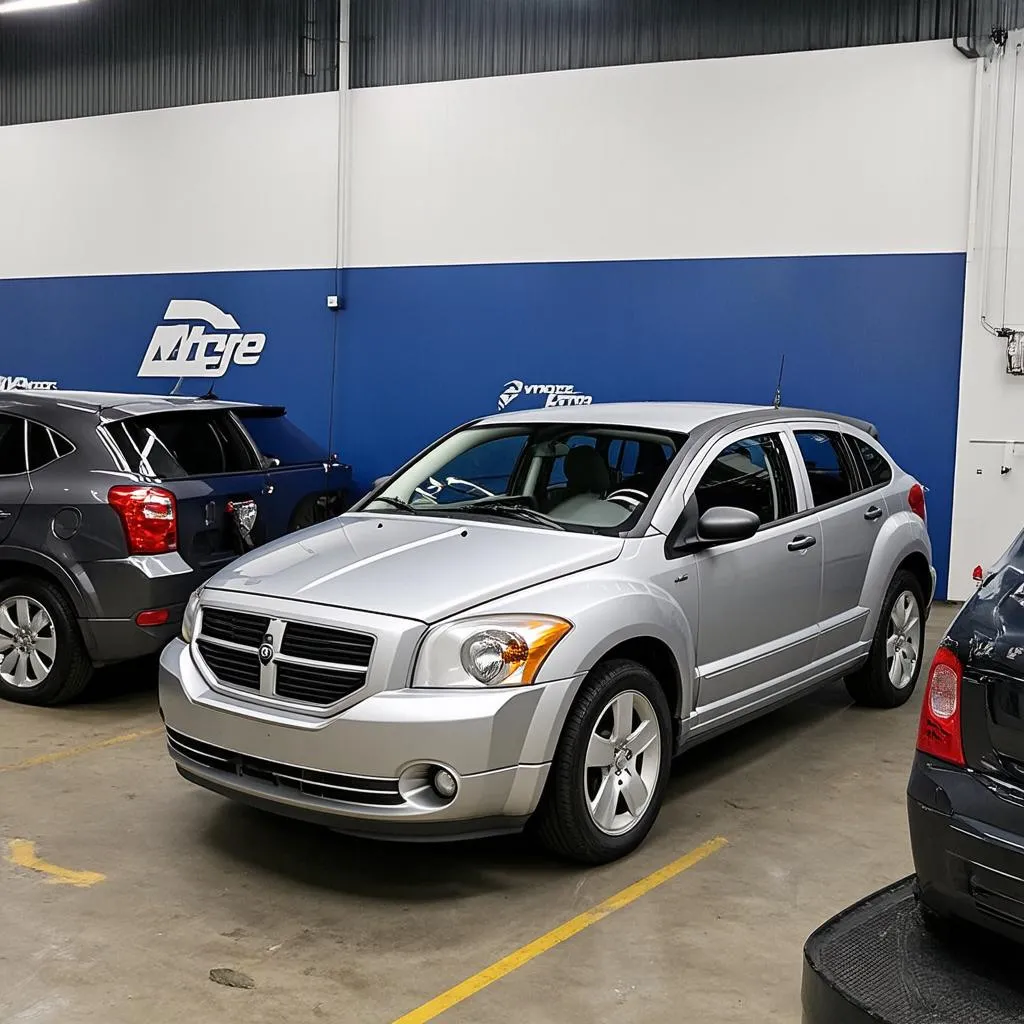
{"x":777,"y":401}
{"x":177,"y":386}
{"x":209,"y":395}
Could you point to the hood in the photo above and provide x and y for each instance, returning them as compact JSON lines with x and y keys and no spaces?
{"x":413,"y":567}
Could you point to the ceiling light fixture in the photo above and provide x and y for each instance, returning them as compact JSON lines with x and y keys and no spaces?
{"x":13,"y":6}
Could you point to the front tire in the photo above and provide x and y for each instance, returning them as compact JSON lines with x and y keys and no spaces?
{"x":42,"y":658}
{"x":609,"y":773}
{"x":889,"y":676}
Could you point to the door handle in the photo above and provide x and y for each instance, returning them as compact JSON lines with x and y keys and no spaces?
{"x":874,"y":513}
{"x":802,"y":542}
{"x":4,"y":514}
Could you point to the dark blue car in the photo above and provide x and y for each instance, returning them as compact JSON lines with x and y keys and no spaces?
{"x":309,"y":483}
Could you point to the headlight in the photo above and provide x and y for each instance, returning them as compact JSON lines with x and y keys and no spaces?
{"x":505,"y":650}
{"x":188,"y":621}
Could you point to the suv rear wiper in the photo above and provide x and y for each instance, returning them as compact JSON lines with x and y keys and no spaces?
{"x":514,"y":510}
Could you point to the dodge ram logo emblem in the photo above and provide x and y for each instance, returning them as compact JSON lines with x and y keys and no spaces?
{"x":266,"y":651}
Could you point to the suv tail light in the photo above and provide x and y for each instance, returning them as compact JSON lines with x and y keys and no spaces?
{"x":939,"y":731}
{"x":149,"y":516}
{"x":916,"y":501}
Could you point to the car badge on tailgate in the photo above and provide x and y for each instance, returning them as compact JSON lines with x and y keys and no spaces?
{"x":243,"y":515}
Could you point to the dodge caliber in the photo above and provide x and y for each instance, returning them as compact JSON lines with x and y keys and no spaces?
{"x":528,"y":620}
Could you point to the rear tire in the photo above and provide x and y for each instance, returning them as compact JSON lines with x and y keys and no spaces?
{"x":43,"y":660}
{"x":889,"y":676}
{"x":609,"y":772}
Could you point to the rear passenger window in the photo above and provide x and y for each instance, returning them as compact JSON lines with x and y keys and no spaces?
{"x":174,"y":445}
{"x":875,"y":463}
{"x":45,"y":446}
{"x":828,"y":466}
{"x":12,"y":445}
{"x":752,"y":474}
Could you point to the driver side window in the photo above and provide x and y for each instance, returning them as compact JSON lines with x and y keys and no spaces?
{"x":751,"y":474}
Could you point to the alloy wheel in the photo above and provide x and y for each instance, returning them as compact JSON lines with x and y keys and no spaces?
{"x":623,"y":763}
{"x":28,"y":642}
{"x":903,"y":641}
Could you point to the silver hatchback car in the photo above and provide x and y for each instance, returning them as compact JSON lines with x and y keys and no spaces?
{"x":527,"y":621}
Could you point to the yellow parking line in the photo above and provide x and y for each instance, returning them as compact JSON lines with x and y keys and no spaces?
{"x":523,"y":955}
{"x":23,"y":854}
{"x":85,"y":748}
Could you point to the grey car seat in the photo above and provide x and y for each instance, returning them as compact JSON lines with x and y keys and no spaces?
{"x":587,"y":480}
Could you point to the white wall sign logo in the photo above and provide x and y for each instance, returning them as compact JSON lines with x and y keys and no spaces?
{"x":185,"y":349}
{"x":557,"y":394}
{"x":24,"y":384}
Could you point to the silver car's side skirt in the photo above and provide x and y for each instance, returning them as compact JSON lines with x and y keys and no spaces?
{"x":713,"y":719}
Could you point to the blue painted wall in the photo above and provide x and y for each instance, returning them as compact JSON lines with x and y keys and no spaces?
{"x":418,"y":350}
{"x":871,"y":336}
{"x":92,"y":333}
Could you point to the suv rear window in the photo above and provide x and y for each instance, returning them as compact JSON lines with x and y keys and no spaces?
{"x":277,"y":437}
{"x":174,"y":445}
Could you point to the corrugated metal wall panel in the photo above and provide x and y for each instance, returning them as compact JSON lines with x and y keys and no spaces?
{"x":402,"y":41}
{"x":107,"y":56}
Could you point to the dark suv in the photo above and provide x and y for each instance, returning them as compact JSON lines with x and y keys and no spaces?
{"x":114,"y":508}
{"x":966,"y":791}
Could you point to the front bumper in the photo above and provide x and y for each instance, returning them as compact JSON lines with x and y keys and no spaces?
{"x":969,"y":865}
{"x":366,"y":769}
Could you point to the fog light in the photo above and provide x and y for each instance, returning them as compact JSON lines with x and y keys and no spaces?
{"x":444,"y":783}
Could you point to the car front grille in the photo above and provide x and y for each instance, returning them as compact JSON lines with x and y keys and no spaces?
{"x":352,"y":789}
{"x":310,"y":664}
{"x":334,"y":645}
{"x":235,"y":627}
{"x":315,"y":684}
{"x":238,"y":668}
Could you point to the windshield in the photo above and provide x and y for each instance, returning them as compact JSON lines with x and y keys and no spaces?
{"x":590,"y":479}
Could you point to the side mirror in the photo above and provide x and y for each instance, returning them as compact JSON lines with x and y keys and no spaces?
{"x":380,"y":481}
{"x":719,"y":525}
{"x":271,"y":462}
{"x":725,"y":524}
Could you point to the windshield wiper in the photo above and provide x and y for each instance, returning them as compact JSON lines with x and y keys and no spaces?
{"x":397,"y":503}
{"x":514,"y":510}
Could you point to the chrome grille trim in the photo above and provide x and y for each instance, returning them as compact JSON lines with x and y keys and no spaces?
{"x":353,"y":789}
{"x":316,"y":683}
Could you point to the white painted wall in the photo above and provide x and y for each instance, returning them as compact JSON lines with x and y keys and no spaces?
{"x":836,"y":151}
{"x":865,"y":150}
{"x":988,"y":505}
{"x":221,"y":186}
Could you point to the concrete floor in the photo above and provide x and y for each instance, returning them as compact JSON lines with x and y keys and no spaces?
{"x":809,"y":798}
